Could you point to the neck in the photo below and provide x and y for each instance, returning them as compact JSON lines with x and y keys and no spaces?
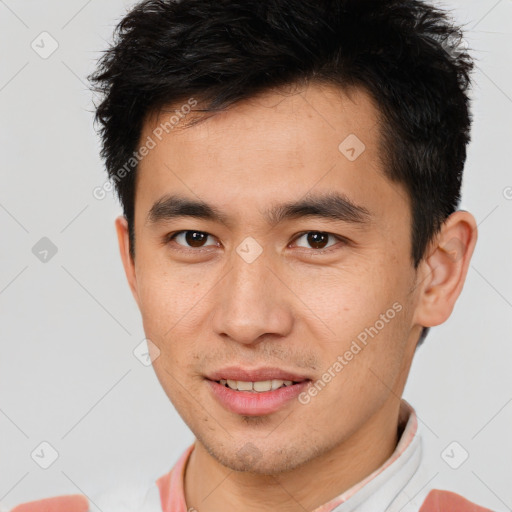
{"x":210,"y":486}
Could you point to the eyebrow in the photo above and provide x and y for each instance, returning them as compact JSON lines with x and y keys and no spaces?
{"x":332,"y":206}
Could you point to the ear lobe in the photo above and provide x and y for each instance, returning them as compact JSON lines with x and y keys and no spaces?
{"x":445,"y":269}
{"x":121,"y":225}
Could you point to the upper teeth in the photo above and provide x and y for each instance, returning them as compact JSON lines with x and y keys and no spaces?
{"x":262,"y":385}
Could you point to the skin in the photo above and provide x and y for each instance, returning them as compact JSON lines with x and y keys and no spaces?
{"x":293,"y":307}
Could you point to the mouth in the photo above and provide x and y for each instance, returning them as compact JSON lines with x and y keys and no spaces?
{"x":262,"y":386}
{"x":260,"y":376}
{"x":256,"y":398}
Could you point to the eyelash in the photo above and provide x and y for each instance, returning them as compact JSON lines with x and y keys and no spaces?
{"x":180,"y":248}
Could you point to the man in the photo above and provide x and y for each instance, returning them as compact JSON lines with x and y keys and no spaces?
{"x":290,"y":174}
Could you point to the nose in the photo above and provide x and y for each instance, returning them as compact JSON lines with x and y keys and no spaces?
{"x":252,"y":303}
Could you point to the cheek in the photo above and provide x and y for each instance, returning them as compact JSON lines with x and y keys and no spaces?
{"x":168,"y":293}
{"x":174,"y":309}
{"x":344,"y":298}
{"x":363,"y":312}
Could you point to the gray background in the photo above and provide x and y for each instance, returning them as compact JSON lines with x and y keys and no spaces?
{"x":68,"y":375}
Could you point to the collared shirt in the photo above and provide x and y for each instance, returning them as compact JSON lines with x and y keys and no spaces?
{"x":396,"y":486}
{"x":401,"y":484}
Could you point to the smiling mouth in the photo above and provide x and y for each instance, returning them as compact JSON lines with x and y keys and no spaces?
{"x":258,"y":386}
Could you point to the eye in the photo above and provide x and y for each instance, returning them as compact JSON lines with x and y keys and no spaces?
{"x":318,"y":240}
{"x":189,"y":239}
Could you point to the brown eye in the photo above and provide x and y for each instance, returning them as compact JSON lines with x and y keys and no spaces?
{"x":190,"y":238}
{"x":317,"y":239}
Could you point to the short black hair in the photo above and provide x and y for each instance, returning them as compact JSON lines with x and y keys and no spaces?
{"x":405,"y":53}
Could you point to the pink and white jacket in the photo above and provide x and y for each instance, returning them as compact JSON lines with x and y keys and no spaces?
{"x":401,"y":484}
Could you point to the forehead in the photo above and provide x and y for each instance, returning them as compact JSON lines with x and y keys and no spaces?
{"x":275,"y":146}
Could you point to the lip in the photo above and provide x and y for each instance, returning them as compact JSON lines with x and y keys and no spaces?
{"x":255,"y":374}
{"x":255,"y":404}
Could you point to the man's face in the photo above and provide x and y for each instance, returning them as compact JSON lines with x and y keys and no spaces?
{"x":319,"y":284}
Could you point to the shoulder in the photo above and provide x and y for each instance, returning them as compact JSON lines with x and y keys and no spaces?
{"x":440,"y":501}
{"x":65,"y":503}
{"x":418,"y":496}
{"x":432,"y":490}
{"x":128,"y":497}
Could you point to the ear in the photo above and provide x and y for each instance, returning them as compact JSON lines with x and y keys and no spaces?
{"x":124,"y":248}
{"x":444,"y":270}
